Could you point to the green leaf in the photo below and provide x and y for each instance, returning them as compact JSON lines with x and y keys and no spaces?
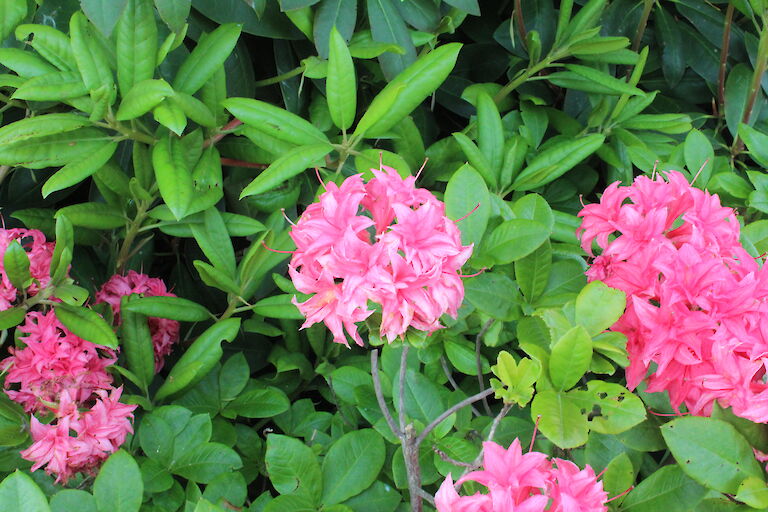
{"x":753,"y":492}
{"x":205,"y":462}
{"x":56,"y":86}
{"x":287,"y":166}
{"x":476,"y":158}
{"x":91,"y":60}
{"x":598,"y":307}
{"x":213,"y":239}
{"x":341,"y":84}
{"x":668,"y":489}
{"x":87,"y":324}
{"x":534,"y":207}
{"x":466,"y":191}
{"x":12,"y":12}
{"x":388,"y":26}
{"x":194,"y":109}
{"x":16,"y":265}
{"x":23,"y":63}
{"x":699,"y":157}
{"x":532,"y":272}
{"x":173,"y":12}
{"x":570,"y":358}
{"x":352,"y":465}
{"x":52,"y":150}
{"x":93,"y":215}
{"x":756,"y":142}
{"x":406,"y":91}
{"x":40,"y":126}
{"x":67,"y":500}
{"x":174,"y":308}
{"x":19,"y":493}
{"x":259,"y":403}
{"x":614,"y":408}
{"x":556,"y":160}
{"x":512,"y":240}
{"x":75,"y":172}
{"x":275,"y":121}
{"x":736,"y":92}
{"x":209,"y":55}
{"x":490,"y":133}
{"x":143,"y":97}
{"x":340,"y":14}
{"x":136,"y":342}
{"x":561,"y":420}
{"x":278,"y":306}
{"x":613,"y":84}
{"x":118,"y":486}
{"x":720,"y":465}
{"x":173,"y":175}
{"x":171,"y":116}
{"x":12,"y":317}
{"x":293,"y":468}
{"x":216,"y":278}
{"x":199,"y":359}
{"x":136,"y":43}
{"x":62,"y":251}
{"x":103,"y":14}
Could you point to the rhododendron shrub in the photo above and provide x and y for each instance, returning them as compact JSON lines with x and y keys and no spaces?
{"x":165,"y":332}
{"x":530,"y":482}
{"x":384,"y":242}
{"x":63,"y":379}
{"x":39,"y":252}
{"x":695,"y":312}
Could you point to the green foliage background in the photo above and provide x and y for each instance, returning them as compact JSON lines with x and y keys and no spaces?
{"x":166,"y":137}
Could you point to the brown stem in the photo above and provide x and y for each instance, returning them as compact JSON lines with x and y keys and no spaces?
{"x":724,"y":60}
{"x":647,"y":6}
{"x":240,"y":163}
{"x":520,"y":23}
{"x":380,"y":395}
{"x":479,"y":362}
{"x":225,"y":130}
{"x":467,"y":401}
{"x":401,"y":387}
{"x":411,"y":456}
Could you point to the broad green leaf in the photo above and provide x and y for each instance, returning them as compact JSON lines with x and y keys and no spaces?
{"x":276,"y":121}
{"x":209,"y":54}
{"x":173,"y":175}
{"x":556,"y":160}
{"x":75,"y":172}
{"x":534,"y":207}
{"x":23,"y":63}
{"x":52,"y":150}
{"x":736,"y":93}
{"x":52,"y":44}
{"x":341,"y":84}
{"x":174,"y":308}
{"x":561,"y":420}
{"x":532,"y":272}
{"x":205,"y":462}
{"x":136,"y":41}
{"x":379,"y":497}
{"x":491,"y":293}
{"x":93,"y":215}
{"x":570,"y":358}
{"x":118,"y":486}
{"x":699,"y":157}
{"x":278,"y":306}
{"x":143,"y":97}
{"x":136,"y":342}
{"x":406,"y":91}
{"x":466,"y":191}
{"x":213,"y":239}
{"x":619,"y":475}
{"x":292,"y":502}
{"x":668,"y":489}
{"x":512,"y":240}
{"x":598,"y":307}
{"x":174,"y":12}
{"x":490,"y":134}
{"x":87,"y":324}
{"x":387,"y":26}
{"x":67,"y":500}
{"x":755,"y":434}
{"x":293,"y":468}
{"x":352,"y":465}
{"x":91,"y":60}
{"x":171,"y":116}
{"x":40,"y":126}
{"x":16,"y":265}
{"x":720,"y":465}
{"x":103,"y":15}
{"x":55,"y":86}
{"x":615,"y":409}
{"x":234,"y":376}
{"x":12,"y":317}
{"x":12,"y":12}
{"x":362,"y":46}
{"x":756,"y":142}
{"x":259,"y":403}
{"x":194,"y":109}
{"x":199,"y":358}
{"x":287,"y":166}
{"x":19,"y":493}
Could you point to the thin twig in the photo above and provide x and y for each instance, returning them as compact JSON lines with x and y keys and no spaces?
{"x":450,"y":460}
{"x":424,"y":494}
{"x":467,"y":401}
{"x":452,"y":381}
{"x":240,"y":163}
{"x":724,"y":60}
{"x":380,"y":395}
{"x":497,"y":420}
{"x":479,"y":362}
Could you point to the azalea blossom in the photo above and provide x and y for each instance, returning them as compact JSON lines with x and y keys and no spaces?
{"x":697,"y":303}
{"x":165,"y":332}
{"x":40,"y":254}
{"x":529,"y":482}
{"x":383,"y":242}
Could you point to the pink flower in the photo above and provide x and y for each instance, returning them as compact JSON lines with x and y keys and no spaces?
{"x":54,"y":361}
{"x":165,"y":332}
{"x":525,"y":482}
{"x":408,"y":263}
{"x":40,"y":254}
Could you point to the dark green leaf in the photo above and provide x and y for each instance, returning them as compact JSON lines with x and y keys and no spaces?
{"x":118,"y":486}
{"x":209,"y":54}
{"x":352,"y":465}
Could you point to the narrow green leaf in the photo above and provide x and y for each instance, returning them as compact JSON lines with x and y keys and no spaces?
{"x":118,"y":486}
{"x":23,"y":63}
{"x":136,"y":343}
{"x":12,"y":12}
{"x":209,"y":54}
{"x":174,"y":178}
{"x":62,"y":251}
{"x":16,"y":265}
{"x":39,"y":126}
{"x":275,"y":121}
{"x":341,"y":84}
{"x":75,"y":172}
{"x":532,"y":272}
{"x":136,"y":43}
{"x":341,"y":14}
{"x":194,"y":109}
{"x":93,"y":215}
{"x":55,"y":86}
{"x":290,"y":164}
{"x":278,"y":306}
{"x":388,"y":26}
{"x":756,"y":142}
{"x":143,"y":97}
{"x":91,"y":59}
{"x":490,"y":134}
{"x":555,"y":161}
{"x":213,"y":239}
{"x":604,"y":79}
{"x":174,"y":308}
{"x":87,"y":324}
{"x":477,"y":158}
{"x":699,"y":157}
{"x":216,"y":278}
{"x":51,"y":43}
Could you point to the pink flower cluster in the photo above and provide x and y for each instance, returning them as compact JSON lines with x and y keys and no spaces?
{"x":165,"y":332}
{"x":40,"y":253}
{"x":528,"y":482}
{"x":383,"y":241}
{"x":57,"y":374}
{"x":697,"y":303}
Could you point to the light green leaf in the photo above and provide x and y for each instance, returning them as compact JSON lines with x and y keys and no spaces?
{"x":293,"y":468}
{"x":19,"y":493}
{"x":570,"y":358}
{"x":136,"y":42}
{"x":93,"y":215}
{"x":466,"y":191}
{"x":598,"y":307}
{"x":512,"y":240}
{"x":173,"y":175}
{"x":209,"y":55}
{"x":556,"y":160}
{"x":87,"y":324}
{"x":12,"y":12}
{"x":16,"y":265}
{"x":118,"y":486}
{"x":352,"y":465}
{"x":561,"y":420}
{"x":143,"y":97}
{"x":287,"y":166}
{"x":278,"y":122}
{"x":75,"y":172}
{"x":341,"y":85}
